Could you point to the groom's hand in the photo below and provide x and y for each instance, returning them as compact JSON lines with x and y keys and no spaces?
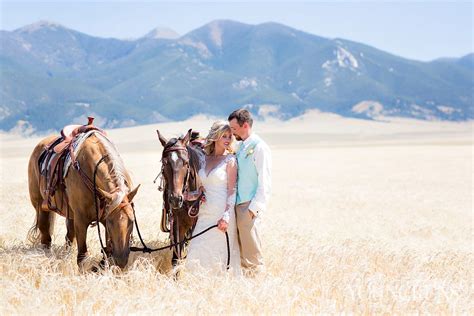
{"x":252,"y":214}
{"x":222,"y":225}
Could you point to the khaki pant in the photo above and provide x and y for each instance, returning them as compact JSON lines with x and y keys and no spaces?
{"x":249,"y":239}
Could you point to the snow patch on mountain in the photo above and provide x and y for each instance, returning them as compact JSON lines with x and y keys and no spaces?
{"x":162,"y":33}
{"x":346,"y":59}
{"x":298,"y":72}
{"x":158,"y":117}
{"x":4,"y":112}
{"x":327,"y":65}
{"x":369,"y":108}
{"x":327,"y":81}
{"x":200,"y":46}
{"x":447,"y":109}
{"x":26,"y":46}
{"x":39,"y":26}
{"x":246,"y":83}
{"x":296,"y":96}
{"x":83,"y":104}
{"x":421,"y":112}
{"x":216,"y":33}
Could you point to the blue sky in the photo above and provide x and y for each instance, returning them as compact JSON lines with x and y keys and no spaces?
{"x":422,"y":30}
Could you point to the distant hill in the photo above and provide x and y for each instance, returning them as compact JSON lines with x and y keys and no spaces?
{"x":162,"y":32}
{"x":52,"y":76}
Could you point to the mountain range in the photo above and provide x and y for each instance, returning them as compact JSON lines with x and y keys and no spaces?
{"x":52,"y":76}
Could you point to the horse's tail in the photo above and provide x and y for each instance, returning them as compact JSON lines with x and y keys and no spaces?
{"x":33,"y":235}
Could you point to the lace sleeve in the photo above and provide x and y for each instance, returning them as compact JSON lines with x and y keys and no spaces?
{"x":231,"y":187}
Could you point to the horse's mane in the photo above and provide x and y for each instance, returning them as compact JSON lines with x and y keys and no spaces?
{"x":118,"y":174}
{"x":195,"y":157}
{"x":195,"y":154}
{"x":171,"y":142}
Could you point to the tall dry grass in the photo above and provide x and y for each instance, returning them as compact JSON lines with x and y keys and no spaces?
{"x":355,"y":227}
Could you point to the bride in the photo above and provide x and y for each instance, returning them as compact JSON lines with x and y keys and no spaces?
{"x":218,"y":174}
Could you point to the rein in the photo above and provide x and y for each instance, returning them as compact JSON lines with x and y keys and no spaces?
{"x":121,"y":205}
{"x":96,"y":206}
{"x":145,"y":248}
{"x":174,"y":220}
{"x":170,"y":149}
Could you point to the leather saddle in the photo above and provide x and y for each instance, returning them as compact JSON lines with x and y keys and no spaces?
{"x":51,"y":164}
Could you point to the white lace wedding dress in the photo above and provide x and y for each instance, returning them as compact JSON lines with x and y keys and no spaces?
{"x":209,"y":251}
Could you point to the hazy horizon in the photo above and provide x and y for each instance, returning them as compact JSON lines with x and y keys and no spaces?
{"x":415,"y":30}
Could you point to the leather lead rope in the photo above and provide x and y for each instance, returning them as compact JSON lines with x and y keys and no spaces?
{"x":96,"y":206}
{"x":146,"y":249}
{"x":175,"y":245}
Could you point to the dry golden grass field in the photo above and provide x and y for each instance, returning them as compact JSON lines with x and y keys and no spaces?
{"x":366,"y":217}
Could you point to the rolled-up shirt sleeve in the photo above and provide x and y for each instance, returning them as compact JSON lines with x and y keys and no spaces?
{"x":263,"y":163}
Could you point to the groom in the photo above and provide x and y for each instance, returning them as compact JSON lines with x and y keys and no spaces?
{"x":253,"y":189}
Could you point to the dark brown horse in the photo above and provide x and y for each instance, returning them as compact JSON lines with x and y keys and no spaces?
{"x":182,"y":191}
{"x":114,"y":191}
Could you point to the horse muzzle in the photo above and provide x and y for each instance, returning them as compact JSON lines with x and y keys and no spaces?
{"x":176,"y":201}
{"x":121,"y":259}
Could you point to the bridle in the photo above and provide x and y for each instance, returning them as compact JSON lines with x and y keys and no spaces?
{"x":100,"y":213}
{"x":164,"y":161}
{"x":193,"y":210}
{"x":193,"y":205}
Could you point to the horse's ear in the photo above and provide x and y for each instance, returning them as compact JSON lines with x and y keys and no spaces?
{"x":161,"y":138}
{"x":132,"y":194}
{"x":187,"y":137}
{"x":108,"y":196}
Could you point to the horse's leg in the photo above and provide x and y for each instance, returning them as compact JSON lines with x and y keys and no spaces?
{"x":175,"y":258}
{"x":186,"y":231}
{"x":71,"y":233}
{"x":176,"y":250}
{"x":45,"y":226}
{"x":81,"y":237}
{"x":180,"y":234}
{"x":108,"y":241}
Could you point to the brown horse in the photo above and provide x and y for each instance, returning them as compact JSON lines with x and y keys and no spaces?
{"x":182,"y":191}
{"x":114,"y":192}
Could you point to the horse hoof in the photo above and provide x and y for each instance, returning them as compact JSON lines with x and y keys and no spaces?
{"x":103,"y":264}
{"x":176,"y":272}
{"x":45,"y":246}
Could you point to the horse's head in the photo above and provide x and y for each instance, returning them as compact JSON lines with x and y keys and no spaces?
{"x":119,"y":218}
{"x":175,"y":168}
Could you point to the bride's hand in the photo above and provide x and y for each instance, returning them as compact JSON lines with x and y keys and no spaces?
{"x":222,"y":225}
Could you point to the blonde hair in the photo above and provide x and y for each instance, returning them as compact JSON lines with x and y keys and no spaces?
{"x":215,"y":133}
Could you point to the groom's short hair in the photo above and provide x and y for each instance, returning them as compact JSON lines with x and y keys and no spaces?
{"x":242,"y":116}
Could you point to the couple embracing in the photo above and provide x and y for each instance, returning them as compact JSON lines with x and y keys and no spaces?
{"x":237,"y":187}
